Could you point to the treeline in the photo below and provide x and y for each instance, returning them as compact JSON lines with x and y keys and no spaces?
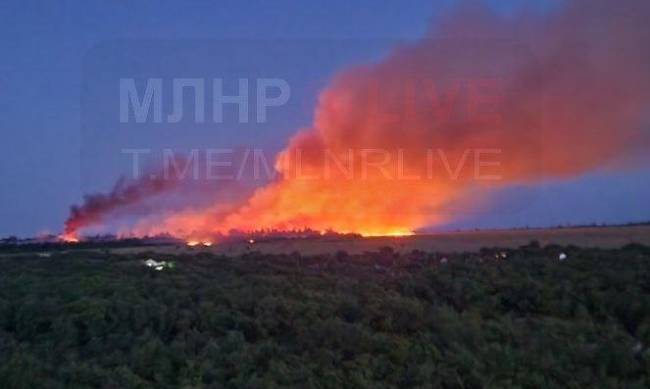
{"x":498,"y":318}
{"x":15,"y":246}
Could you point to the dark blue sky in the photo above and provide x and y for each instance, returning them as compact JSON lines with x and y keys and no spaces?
{"x":41,"y":71}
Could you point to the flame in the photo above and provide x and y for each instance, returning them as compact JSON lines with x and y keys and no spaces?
{"x":69,"y":238}
{"x":388,"y":151}
{"x":194,"y":243}
{"x":417,"y":112}
{"x":395,"y":234}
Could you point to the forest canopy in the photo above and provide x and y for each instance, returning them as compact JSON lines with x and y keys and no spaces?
{"x":498,"y":318}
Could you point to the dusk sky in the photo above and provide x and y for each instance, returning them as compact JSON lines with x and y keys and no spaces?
{"x":48,"y":48}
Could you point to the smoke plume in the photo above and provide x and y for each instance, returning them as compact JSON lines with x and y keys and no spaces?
{"x":482,"y":101}
{"x":97,"y":208}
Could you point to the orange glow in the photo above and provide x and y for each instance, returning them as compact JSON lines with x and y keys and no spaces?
{"x":194,"y":243}
{"x":396,"y":234}
{"x":69,"y":238}
{"x":396,"y":145}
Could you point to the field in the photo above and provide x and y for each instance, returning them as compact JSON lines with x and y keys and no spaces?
{"x":466,"y":241}
{"x":500,"y":317}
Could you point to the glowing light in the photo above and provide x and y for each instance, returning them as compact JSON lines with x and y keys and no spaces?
{"x":207,"y":243}
{"x":395,"y":234}
{"x":69,"y":238}
{"x":387,"y":166}
{"x":192,"y":243}
{"x":251,"y":241}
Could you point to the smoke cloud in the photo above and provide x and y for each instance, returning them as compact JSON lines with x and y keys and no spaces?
{"x":483,"y":101}
{"x":97,"y":208}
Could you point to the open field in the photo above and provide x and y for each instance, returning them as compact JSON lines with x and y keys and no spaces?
{"x":467,"y":241}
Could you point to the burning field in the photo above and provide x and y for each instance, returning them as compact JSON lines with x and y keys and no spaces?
{"x":436,"y":126}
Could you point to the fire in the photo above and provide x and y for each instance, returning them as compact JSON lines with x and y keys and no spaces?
{"x":69,"y":238}
{"x":395,"y":234}
{"x":194,"y":243}
{"x":394,"y":145}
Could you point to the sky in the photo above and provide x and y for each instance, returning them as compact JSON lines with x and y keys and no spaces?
{"x":48,"y":48}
